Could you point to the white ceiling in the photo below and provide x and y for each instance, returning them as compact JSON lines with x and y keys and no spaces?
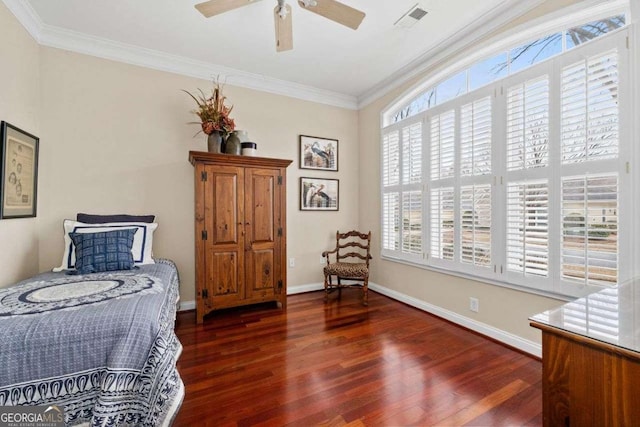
{"x":326,"y":55}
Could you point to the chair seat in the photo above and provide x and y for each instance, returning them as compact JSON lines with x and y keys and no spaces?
{"x":347,"y":269}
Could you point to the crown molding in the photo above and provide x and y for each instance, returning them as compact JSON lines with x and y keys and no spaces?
{"x":485,"y":24}
{"x":56,"y":37}
{"x":27,"y":16}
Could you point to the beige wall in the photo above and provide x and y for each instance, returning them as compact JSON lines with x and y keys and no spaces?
{"x":115,"y":140}
{"x":19,"y":105}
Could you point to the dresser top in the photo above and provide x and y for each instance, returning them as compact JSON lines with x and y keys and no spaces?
{"x":611,"y":316}
{"x":232,"y":159}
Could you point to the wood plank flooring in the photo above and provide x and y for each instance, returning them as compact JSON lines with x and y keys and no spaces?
{"x":342,"y":364}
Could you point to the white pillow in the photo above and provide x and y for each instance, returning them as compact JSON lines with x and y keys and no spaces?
{"x":142,"y":240}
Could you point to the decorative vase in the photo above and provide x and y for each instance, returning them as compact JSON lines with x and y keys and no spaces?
{"x":234,"y":142}
{"x":214,"y":142}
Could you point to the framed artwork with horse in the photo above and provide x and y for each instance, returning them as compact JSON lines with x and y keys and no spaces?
{"x":318,"y":153}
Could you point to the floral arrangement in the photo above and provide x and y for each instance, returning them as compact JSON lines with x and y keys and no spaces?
{"x":213,"y":113}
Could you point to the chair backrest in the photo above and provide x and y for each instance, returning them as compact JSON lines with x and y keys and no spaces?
{"x":353,"y":244}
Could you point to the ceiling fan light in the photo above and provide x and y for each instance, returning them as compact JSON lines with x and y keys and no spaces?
{"x":282,"y":13}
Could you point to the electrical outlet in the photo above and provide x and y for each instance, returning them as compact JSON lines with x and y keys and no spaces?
{"x":474,"y":304}
{"x":322,"y":261}
{"x":292,"y":262}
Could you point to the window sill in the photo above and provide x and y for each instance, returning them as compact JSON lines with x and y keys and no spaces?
{"x":559,"y":297}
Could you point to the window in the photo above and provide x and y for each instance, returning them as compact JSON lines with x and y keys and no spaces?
{"x":523,"y":175}
{"x":506,"y":63}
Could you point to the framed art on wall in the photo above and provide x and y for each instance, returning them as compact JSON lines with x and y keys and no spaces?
{"x":319,"y":194}
{"x":18,"y":172}
{"x":318,"y":153}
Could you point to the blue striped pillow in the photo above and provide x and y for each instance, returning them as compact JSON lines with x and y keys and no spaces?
{"x":104,"y":251}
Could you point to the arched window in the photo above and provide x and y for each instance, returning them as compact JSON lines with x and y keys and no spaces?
{"x":511,"y":168}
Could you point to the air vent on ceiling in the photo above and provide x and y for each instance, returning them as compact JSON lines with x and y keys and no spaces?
{"x":412,"y":16}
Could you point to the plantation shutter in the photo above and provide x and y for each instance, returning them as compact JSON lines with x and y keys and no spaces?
{"x":442,"y":223}
{"x":528,"y":228}
{"x":391,"y":158}
{"x":590,"y":229}
{"x":390,"y":221}
{"x":475,"y":138}
{"x":528,"y":124}
{"x":412,"y":222}
{"x":589,"y":99}
{"x":443,"y":145}
{"x":390,"y":197}
{"x":475,"y":225}
{"x":402,"y":190}
{"x":412,"y":154}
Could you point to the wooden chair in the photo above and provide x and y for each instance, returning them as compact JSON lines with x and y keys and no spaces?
{"x":359,"y":245}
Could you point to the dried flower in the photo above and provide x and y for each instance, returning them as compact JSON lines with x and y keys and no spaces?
{"x":213,"y":113}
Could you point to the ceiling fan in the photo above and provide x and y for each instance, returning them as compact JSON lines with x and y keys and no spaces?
{"x":330,"y":9}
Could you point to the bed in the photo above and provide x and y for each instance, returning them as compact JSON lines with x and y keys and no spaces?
{"x":101,"y":345}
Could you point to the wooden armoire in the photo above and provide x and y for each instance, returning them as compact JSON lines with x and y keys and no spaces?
{"x":240,"y":230}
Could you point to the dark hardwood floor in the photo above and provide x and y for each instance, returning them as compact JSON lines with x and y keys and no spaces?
{"x":342,"y":364}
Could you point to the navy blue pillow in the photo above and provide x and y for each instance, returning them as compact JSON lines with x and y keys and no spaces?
{"x":103,"y":251}
{"x":102,"y":219}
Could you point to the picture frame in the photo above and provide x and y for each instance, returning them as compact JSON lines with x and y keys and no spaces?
{"x":319,"y":194}
{"x":18,"y":172}
{"x":318,"y":153}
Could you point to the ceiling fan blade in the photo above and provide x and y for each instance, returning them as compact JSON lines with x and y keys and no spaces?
{"x":337,"y":12}
{"x":216,"y":7}
{"x":284,"y":29}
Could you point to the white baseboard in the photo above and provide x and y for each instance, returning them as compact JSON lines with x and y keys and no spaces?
{"x":510,"y":339}
{"x":187,"y":305}
{"x":300,"y":289}
{"x":505,"y":337}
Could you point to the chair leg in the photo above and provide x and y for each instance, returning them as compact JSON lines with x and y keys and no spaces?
{"x":339,"y":288}
{"x":326,"y":288}
{"x":365,"y":292}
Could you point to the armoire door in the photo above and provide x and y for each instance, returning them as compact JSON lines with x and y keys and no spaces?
{"x":263,"y":233}
{"x":224,"y":240}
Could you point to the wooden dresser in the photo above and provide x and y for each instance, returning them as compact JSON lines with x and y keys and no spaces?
{"x":591,"y":360}
{"x":240,"y":230}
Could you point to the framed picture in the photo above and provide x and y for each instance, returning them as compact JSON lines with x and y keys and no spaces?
{"x":318,"y":153}
{"x":19,"y":173}
{"x":318,"y":194}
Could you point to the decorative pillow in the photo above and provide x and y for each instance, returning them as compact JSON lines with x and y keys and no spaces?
{"x":104,"y":251}
{"x":142,"y":241}
{"x":102,"y":219}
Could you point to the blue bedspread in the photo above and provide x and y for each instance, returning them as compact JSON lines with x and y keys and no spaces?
{"x":102,"y":345}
